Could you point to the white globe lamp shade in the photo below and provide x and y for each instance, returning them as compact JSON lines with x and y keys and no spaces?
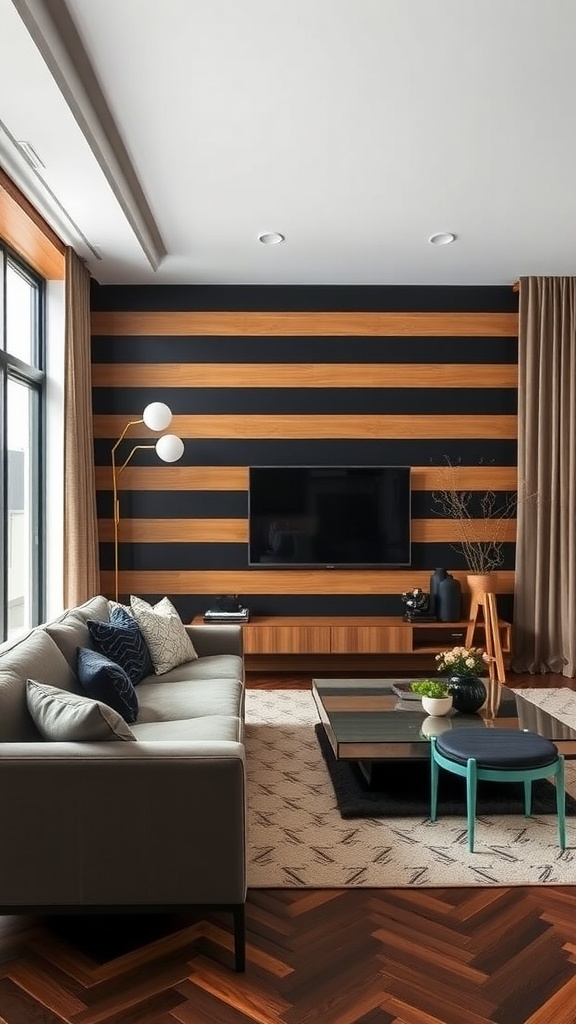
{"x":169,"y":448}
{"x":157,"y":416}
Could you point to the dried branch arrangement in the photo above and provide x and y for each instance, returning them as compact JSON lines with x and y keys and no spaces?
{"x":481,"y":541}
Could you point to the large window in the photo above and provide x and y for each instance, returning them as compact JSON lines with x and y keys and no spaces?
{"x":22,"y":384}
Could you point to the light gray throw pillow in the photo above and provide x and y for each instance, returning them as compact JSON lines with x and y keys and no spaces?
{"x":164,"y":633}
{"x":62,"y":716}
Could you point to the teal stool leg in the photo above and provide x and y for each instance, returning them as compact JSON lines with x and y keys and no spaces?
{"x":434,"y":772}
{"x":471,"y":783}
{"x":561,"y":802}
{"x":527,"y":797}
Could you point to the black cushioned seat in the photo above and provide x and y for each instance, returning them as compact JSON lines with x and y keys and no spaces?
{"x":497,"y":748}
{"x":497,"y":755}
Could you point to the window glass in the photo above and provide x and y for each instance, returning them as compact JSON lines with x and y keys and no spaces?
{"x":20,"y":497}
{"x":22,"y":387}
{"x":20,"y":314}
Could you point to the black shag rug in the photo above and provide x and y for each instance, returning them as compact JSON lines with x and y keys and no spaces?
{"x":404,"y":791}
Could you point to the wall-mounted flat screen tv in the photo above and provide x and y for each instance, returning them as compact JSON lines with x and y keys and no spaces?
{"x":329,"y":516}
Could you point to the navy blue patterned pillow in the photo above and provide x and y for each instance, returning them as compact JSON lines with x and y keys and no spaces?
{"x":120,"y":640}
{"x":104,"y":680}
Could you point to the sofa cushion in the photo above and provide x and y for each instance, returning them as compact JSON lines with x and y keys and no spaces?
{"x":68,"y":717}
{"x":69,"y":633}
{"x":215,"y":666}
{"x":165,"y":702}
{"x":36,"y":654}
{"x":104,"y":680}
{"x":209,"y":727}
{"x":164,"y":633}
{"x":120,"y":640}
{"x":95,"y":608}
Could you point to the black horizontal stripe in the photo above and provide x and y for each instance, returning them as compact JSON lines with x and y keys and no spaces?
{"x":310,"y":401}
{"x":306,"y":298}
{"x":175,"y":504}
{"x":202,"y":556}
{"x":197,"y":349}
{"x":190,"y":605}
{"x":328,"y":452}
{"x":197,"y":504}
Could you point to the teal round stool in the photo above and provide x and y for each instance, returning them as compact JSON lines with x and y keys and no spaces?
{"x":497,"y":755}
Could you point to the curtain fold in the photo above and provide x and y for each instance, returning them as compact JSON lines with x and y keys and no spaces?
{"x":81,"y":557}
{"x":544,"y":635}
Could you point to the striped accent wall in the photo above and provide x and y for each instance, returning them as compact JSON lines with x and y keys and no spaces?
{"x":286,"y":376}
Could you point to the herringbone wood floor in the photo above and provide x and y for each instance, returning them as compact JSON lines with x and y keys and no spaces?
{"x":454,"y":956}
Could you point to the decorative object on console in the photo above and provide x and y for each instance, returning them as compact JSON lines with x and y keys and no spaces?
{"x":449,"y":600}
{"x":169,"y":448}
{"x":417,"y":606}
{"x":164,"y":632}
{"x":437,"y":577}
{"x":463,"y":665}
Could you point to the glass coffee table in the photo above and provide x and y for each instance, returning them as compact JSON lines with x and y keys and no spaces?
{"x":367,"y":722}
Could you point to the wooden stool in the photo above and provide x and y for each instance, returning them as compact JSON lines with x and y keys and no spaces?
{"x":498,"y":755}
{"x":487,"y":602}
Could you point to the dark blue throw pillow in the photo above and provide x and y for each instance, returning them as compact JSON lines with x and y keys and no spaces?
{"x":120,"y":640}
{"x":106,"y":681}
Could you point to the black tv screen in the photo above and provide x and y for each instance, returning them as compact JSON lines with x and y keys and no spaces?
{"x":330,"y":516}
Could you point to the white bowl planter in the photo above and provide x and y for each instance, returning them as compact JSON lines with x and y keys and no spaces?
{"x":437,"y":706}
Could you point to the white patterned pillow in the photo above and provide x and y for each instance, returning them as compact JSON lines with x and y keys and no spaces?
{"x":164,"y":633}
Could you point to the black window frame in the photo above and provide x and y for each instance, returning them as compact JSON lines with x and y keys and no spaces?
{"x":33,"y":376}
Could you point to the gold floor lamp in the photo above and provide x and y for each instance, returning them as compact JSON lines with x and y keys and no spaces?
{"x":157,"y":416}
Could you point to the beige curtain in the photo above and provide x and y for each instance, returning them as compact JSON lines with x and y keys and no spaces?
{"x":81,"y":559}
{"x":545,"y":592}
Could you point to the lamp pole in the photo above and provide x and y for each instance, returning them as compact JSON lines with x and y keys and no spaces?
{"x":169,"y":448}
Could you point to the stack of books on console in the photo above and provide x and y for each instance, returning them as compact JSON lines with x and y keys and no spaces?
{"x":218,"y":615}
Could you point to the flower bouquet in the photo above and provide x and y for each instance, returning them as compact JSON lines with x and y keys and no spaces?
{"x":462,"y":661}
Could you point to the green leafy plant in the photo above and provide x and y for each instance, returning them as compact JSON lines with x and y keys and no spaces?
{"x":430,"y":688}
{"x":463,"y":661}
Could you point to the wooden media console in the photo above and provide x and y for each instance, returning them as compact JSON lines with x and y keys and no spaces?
{"x":371,"y":643}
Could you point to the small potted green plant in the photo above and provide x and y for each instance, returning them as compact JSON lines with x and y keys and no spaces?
{"x":436,"y":697}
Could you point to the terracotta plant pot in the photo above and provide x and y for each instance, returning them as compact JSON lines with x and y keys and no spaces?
{"x":481,"y":583}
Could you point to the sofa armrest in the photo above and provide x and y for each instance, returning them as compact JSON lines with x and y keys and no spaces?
{"x":122,"y":824}
{"x":216,"y":639}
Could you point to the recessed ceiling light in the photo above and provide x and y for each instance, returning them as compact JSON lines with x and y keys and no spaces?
{"x":442,"y":238}
{"x":271,"y":238}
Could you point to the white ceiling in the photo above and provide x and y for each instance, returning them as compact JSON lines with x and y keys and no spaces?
{"x":357,"y":128}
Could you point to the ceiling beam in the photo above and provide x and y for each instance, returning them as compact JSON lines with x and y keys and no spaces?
{"x":53,"y":31}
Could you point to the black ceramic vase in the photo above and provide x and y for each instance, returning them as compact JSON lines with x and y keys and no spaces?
{"x":468,"y":693}
{"x":435,"y":580}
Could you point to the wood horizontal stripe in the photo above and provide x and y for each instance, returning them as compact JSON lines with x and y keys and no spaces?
{"x":329,"y":324}
{"x":175,"y":478}
{"x":429,"y":531}
{"x":305,"y":375}
{"x":235,"y":531}
{"x":289,"y":581}
{"x":235,"y":478}
{"x":315,"y":426}
{"x":176,"y":531}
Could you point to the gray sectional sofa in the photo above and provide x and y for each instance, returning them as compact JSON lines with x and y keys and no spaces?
{"x":155,"y":823}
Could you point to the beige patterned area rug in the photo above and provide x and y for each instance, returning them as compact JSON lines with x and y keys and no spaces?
{"x":297,"y":839}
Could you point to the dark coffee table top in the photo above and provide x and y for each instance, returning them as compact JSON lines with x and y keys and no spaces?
{"x":366,"y":721}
